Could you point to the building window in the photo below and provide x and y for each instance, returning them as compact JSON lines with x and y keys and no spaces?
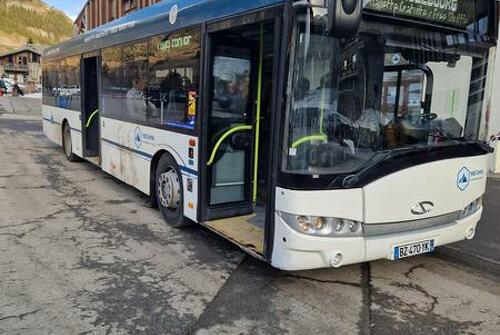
{"x":113,"y":11}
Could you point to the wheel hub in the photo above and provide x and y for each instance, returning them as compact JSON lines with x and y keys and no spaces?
{"x":170,"y":189}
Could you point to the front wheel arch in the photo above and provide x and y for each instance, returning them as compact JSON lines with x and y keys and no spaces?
{"x":161,"y":162}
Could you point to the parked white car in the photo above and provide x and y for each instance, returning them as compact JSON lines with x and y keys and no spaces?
{"x":68,"y":90}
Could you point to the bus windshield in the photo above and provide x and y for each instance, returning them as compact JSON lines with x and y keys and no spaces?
{"x":390,"y":87}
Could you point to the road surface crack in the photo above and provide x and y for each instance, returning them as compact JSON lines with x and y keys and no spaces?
{"x":35,"y":221}
{"x":421,"y":290}
{"x":367,"y":288}
{"x":412,"y":269}
{"x":323,"y":281}
{"x":20,"y":316}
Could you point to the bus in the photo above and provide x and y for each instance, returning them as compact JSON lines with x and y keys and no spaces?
{"x":310,"y":133}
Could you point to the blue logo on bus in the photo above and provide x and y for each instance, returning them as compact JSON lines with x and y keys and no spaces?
{"x":137,"y":138}
{"x":463,"y":179}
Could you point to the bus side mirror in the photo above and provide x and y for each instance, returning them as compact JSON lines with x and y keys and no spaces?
{"x":344,"y":17}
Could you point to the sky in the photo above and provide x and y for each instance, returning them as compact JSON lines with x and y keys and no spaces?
{"x":71,"y":7}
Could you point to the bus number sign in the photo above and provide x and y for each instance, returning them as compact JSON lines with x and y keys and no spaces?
{"x":175,"y":43}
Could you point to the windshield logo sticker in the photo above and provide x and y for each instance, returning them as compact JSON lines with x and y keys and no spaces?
{"x":424,"y":207}
{"x":396,"y":59}
{"x":137,"y":138}
{"x":174,"y":11}
{"x":463,"y":179}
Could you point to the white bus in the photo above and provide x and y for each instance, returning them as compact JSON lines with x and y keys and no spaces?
{"x":310,"y":133}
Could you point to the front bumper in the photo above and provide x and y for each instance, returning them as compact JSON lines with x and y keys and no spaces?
{"x":295,"y":251}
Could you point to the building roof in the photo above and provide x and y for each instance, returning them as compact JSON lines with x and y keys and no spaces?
{"x":36,"y":49}
{"x":155,"y":20}
{"x":82,"y":11}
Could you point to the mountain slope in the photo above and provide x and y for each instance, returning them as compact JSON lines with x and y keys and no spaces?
{"x":22,"y":20}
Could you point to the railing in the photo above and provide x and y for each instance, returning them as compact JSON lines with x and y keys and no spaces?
{"x":16,"y":67}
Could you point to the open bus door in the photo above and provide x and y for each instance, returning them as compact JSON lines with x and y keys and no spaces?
{"x":237,"y":130}
{"x":90,"y":105}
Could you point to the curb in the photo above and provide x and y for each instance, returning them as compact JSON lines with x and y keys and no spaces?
{"x":476,"y":262}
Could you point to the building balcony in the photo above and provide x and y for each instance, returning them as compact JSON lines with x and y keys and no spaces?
{"x":10,"y":67}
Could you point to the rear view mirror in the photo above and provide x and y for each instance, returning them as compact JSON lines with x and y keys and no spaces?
{"x":344,"y":17}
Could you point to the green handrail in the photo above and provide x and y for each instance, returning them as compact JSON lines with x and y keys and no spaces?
{"x":317,"y":137}
{"x":91,"y":117}
{"x":309,"y":138}
{"x":228,"y":133}
{"x":257,"y":116}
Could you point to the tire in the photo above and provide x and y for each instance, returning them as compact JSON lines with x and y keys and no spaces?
{"x":67,"y":144}
{"x":170,"y":193}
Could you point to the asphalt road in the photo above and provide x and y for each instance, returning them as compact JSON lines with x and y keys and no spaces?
{"x":80,"y":253}
{"x":485,"y":247}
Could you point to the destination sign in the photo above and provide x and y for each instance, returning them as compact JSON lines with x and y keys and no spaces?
{"x":456,"y":13}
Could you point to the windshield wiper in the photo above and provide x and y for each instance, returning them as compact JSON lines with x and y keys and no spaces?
{"x":350,"y":180}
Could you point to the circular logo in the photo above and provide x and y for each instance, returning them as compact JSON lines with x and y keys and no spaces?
{"x":137,"y":138}
{"x":396,"y":59}
{"x":463,"y":179}
{"x":174,"y":11}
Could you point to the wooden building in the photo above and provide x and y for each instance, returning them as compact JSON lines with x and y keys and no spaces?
{"x":22,"y":65}
{"x":98,"y":12}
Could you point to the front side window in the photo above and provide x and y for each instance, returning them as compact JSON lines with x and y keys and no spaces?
{"x":154,"y":82}
{"x":352,"y":100}
{"x":174,"y":79}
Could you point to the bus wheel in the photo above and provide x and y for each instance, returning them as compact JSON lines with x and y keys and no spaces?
{"x":169,"y":192}
{"x":67,"y":144}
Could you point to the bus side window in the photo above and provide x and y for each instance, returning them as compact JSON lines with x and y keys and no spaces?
{"x":112,"y":93}
{"x":135,"y":81}
{"x":174,"y":79}
{"x":50,"y":82}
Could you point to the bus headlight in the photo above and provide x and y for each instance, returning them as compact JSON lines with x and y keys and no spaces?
{"x":471,"y":208}
{"x":323,"y":226}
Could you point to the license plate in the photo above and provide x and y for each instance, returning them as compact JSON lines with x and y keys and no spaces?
{"x":409,"y":250}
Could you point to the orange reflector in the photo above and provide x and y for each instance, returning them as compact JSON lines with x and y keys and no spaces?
{"x":190,"y":205}
{"x":192,"y":142}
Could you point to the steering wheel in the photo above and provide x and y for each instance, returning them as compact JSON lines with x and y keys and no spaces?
{"x":429,"y":117}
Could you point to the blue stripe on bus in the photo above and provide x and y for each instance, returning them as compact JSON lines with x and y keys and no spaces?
{"x":55,"y":122}
{"x":188,"y":170}
{"x":138,"y":152}
{"x":146,"y":155}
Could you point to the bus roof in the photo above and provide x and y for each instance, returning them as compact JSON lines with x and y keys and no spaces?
{"x":154,"y":20}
